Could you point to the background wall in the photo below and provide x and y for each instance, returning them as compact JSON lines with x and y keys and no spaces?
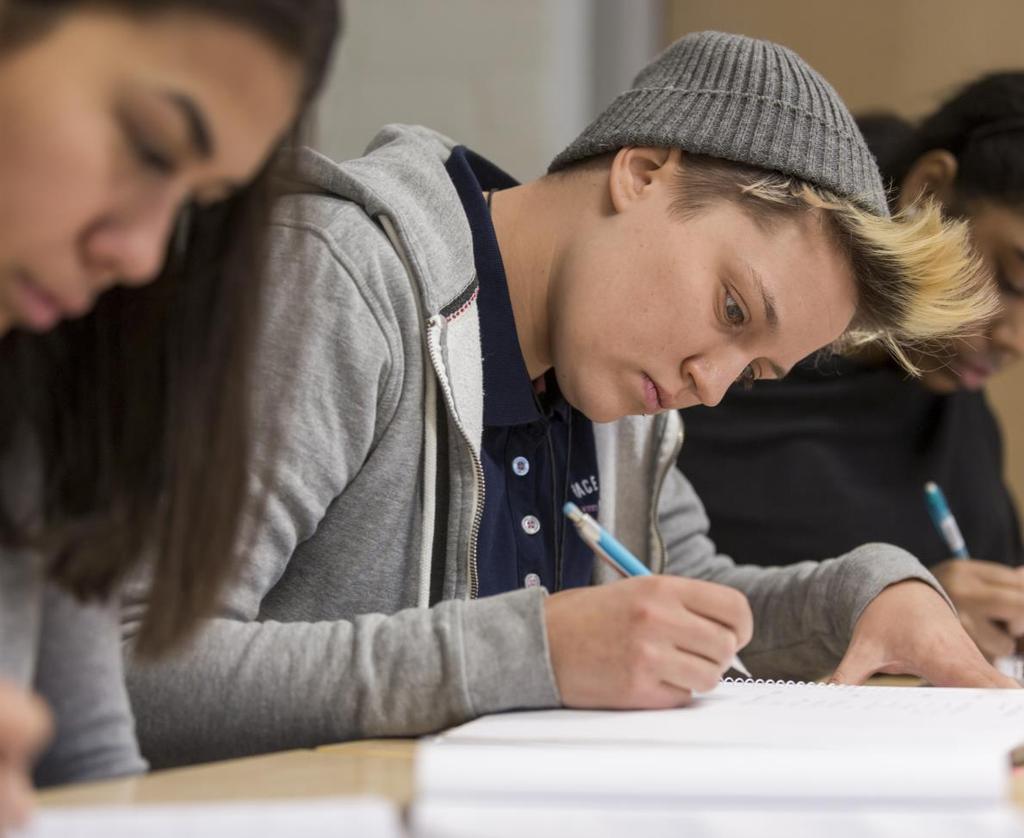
{"x":902,"y":55}
{"x":516,"y":80}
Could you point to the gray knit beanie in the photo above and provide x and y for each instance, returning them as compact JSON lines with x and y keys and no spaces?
{"x":743,"y":100}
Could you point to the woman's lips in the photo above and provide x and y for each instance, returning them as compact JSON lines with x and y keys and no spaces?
{"x":972,"y":374}
{"x":38,"y":309}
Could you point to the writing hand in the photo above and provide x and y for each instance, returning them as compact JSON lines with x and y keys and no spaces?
{"x":645,"y":642}
{"x":990,"y":599}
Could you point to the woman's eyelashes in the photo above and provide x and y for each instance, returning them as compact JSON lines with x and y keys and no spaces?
{"x":151,"y":157}
{"x":151,"y":154}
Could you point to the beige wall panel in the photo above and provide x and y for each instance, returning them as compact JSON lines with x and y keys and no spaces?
{"x":901,"y":55}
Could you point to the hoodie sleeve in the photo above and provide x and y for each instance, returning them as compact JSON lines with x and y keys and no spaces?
{"x":79,"y":673}
{"x":249,"y":685}
{"x":805,"y":613}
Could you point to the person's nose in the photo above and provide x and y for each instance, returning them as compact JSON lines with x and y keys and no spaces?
{"x":714,"y":375}
{"x":131,"y":246}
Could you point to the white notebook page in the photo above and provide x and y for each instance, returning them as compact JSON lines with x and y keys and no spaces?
{"x":786,"y":715}
{"x":745,"y":742}
{"x":456,"y":820}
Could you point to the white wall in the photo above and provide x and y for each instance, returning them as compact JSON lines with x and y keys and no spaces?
{"x":514,"y":80}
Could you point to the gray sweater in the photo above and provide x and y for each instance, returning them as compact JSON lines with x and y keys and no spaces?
{"x":71,"y":655}
{"x":371,"y":368}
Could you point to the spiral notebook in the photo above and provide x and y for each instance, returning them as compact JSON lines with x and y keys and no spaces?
{"x":745,"y":743}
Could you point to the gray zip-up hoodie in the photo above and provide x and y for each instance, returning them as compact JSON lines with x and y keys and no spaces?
{"x":371,"y":362}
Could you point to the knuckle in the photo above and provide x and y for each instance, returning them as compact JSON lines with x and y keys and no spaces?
{"x":643,"y":614}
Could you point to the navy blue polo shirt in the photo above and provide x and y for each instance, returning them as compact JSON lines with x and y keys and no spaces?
{"x":538,"y":451}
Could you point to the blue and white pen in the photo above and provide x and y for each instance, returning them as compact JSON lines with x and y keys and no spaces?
{"x":615,"y":554}
{"x":944,"y":521}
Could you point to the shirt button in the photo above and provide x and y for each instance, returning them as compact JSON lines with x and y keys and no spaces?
{"x":521,"y":466}
{"x":530,"y":524}
{"x":532,"y":580}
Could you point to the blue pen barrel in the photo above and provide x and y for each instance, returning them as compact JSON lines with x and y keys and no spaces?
{"x":629,"y":563}
{"x":944,"y":521}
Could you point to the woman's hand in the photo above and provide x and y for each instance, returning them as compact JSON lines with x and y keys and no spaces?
{"x":990,"y":600}
{"x":25,"y":726}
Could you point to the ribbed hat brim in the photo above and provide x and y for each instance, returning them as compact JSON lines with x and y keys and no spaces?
{"x":744,"y":128}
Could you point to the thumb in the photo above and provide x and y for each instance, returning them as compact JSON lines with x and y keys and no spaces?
{"x":857,"y":665}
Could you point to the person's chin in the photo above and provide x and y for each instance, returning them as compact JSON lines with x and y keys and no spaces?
{"x":598,"y":408}
{"x":941,"y":381}
{"x":601,"y":414}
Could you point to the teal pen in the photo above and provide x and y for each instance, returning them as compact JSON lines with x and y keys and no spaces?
{"x":944,"y":521}
{"x":614,"y":553}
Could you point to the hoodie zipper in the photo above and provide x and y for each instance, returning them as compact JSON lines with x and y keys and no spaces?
{"x":677,"y":446}
{"x":436,"y":322}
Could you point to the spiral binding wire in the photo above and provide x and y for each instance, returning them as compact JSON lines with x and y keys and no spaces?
{"x":773,"y":682}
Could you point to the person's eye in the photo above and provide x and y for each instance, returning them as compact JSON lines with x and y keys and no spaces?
{"x":1007,"y":286}
{"x":153,"y":159}
{"x":149,"y":155}
{"x":734,"y":314}
{"x":747,"y":378}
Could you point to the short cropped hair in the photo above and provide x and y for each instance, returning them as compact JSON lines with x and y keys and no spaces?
{"x":918,"y":278}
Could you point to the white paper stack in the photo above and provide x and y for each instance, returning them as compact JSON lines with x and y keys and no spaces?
{"x":782,"y":757}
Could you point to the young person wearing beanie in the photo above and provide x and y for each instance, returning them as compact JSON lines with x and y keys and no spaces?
{"x":443,"y":368}
{"x":856,"y":436}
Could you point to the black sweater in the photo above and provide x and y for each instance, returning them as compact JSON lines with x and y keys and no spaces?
{"x":837,"y":455}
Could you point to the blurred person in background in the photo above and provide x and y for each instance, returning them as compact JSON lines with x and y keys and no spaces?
{"x":138,"y":146}
{"x":839,"y":451}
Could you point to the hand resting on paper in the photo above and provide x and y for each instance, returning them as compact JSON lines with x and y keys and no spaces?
{"x":24,"y":726}
{"x":990,"y":599}
{"x":646,"y":642}
{"x":909,"y":629}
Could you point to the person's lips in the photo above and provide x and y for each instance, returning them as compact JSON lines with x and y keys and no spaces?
{"x":973,"y":373}
{"x":38,"y":309}
{"x":654,"y":400}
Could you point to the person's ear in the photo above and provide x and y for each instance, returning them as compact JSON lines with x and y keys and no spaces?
{"x":635,"y":172}
{"x":932,"y":175}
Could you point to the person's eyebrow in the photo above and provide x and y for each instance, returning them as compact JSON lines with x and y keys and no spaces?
{"x":198,"y":128}
{"x":770,"y":313}
{"x":771,"y":316}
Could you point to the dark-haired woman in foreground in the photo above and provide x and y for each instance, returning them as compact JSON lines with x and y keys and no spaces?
{"x":839,"y":451}
{"x":135,"y":148}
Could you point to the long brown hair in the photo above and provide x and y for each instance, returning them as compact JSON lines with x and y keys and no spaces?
{"x":139,"y":414}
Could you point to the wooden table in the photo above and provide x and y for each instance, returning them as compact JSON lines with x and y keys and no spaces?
{"x":378,"y":767}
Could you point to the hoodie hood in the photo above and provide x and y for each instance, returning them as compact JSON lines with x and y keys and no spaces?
{"x":402,"y":177}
